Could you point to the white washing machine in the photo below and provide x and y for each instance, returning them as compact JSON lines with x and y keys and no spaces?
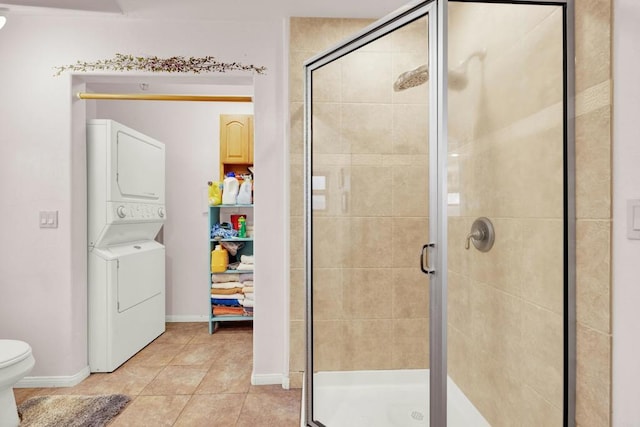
{"x":126,"y":266}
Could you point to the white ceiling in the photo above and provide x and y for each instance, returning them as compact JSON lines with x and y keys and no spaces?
{"x":221,"y":10}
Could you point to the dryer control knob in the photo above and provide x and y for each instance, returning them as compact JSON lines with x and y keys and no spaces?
{"x":121,"y":211}
{"x":161,"y":212}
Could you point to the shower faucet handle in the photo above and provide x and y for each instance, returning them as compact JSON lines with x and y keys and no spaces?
{"x":477,"y":235}
{"x":482,"y":235}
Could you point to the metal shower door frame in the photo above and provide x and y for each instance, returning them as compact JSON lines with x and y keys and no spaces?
{"x":382,"y":27}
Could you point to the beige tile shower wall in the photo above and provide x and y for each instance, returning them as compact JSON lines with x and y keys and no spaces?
{"x":534,"y":286}
{"x":593,"y":187}
{"x":370,"y":310}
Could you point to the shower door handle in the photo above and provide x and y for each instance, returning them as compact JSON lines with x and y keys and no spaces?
{"x":425,"y":250}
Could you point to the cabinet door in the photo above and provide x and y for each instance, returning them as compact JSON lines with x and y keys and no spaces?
{"x":251,"y":139}
{"x":236,"y":137}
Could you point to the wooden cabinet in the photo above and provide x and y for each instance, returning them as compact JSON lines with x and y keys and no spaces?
{"x":236,"y":139}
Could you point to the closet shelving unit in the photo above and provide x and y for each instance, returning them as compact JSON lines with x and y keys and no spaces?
{"x":215,"y":214}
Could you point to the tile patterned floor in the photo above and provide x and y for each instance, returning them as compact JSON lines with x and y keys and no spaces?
{"x":189,"y":378}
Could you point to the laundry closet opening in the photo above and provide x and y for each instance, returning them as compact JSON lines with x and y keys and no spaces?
{"x":190,"y":131}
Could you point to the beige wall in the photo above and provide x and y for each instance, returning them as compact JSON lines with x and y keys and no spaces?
{"x":524,"y":315}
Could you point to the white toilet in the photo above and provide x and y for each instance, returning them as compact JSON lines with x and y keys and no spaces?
{"x":16,"y":361}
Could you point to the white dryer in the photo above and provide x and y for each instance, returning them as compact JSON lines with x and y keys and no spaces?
{"x":126,"y":266}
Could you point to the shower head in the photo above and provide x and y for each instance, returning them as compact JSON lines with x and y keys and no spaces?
{"x":412,"y":78}
{"x":457,"y":77}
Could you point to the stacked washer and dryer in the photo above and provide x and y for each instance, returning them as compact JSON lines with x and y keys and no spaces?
{"x":126,"y":266}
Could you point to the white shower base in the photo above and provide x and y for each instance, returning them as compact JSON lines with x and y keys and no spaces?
{"x":392,"y":398}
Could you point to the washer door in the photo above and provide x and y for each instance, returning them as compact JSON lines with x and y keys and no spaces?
{"x":140,"y":275}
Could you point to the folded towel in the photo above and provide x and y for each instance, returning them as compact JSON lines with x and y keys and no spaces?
{"x":225,"y":291}
{"x":223,"y":278}
{"x":247,"y":311}
{"x":245,"y":267}
{"x":247,"y":283}
{"x":247,"y":290}
{"x":247,"y":303}
{"x":228,"y":296}
{"x":226,"y":285}
{"x":248,"y":296}
{"x":222,"y":291}
{"x":228,"y":311}
{"x":246,"y":259}
{"x":245,"y":276}
{"x":225,"y":302}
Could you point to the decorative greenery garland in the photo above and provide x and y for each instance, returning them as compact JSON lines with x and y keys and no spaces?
{"x":175,"y":64}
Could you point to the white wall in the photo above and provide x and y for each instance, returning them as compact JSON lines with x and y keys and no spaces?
{"x":43,"y":272}
{"x":626,"y":185}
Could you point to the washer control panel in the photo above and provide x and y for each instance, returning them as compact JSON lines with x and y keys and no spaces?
{"x":120,"y":212}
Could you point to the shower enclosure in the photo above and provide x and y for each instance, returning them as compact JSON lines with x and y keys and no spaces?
{"x":439,"y":187}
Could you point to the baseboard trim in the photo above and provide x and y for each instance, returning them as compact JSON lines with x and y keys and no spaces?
{"x":268,"y":379}
{"x":58,"y":381}
{"x":186,"y":318}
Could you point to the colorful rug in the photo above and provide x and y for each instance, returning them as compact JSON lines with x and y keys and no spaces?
{"x":71,"y":411}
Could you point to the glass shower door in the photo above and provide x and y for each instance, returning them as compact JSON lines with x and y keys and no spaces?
{"x":508,"y":214}
{"x":368,"y":164}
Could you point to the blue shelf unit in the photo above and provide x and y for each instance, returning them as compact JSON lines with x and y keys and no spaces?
{"x":222,"y":213}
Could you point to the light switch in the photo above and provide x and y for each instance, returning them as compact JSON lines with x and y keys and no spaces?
{"x":48,"y":219}
{"x":636,"y":218}
{"x":633,"y":219}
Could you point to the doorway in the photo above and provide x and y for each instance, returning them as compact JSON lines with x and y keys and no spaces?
{"x":190,"y":131}
{"x":440,"y":219}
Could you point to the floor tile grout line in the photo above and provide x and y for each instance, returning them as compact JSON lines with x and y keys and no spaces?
{"x":195,"y":390}
{"x":244,"y":401}
{"x":150,"y":381}
{"x":183,"y":408}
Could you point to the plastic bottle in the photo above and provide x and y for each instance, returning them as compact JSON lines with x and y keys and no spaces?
{"x":215,"y":193}
{"x":230,"y":187}
{"x":219,"y":259}
{"x":242,"y":227}
{"x":244,"y":196}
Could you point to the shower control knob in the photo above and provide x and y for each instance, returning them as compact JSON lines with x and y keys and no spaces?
{"x":121,"y":211}
{"x":161,"y":212}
